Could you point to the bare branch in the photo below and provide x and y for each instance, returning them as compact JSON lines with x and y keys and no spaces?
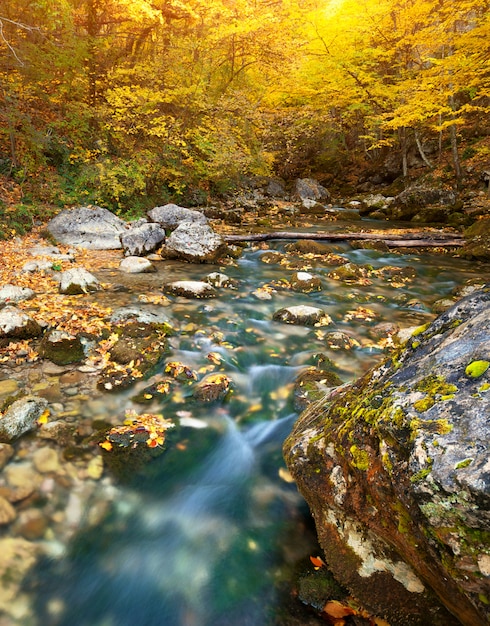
{"x":20,"y":25}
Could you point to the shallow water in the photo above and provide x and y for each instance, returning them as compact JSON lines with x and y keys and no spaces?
{"x":209,"y":531}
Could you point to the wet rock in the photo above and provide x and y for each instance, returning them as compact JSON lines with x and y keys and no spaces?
{"x":409,"y":203}
{"x":310,"y":189}
{"x":13,"y":293}
{"x":18,"y":557}
{"x":351,"y":273}
{"x":21,"y":417}
{"x":218,"y":280}
{"x":15,"y":324}
{"x":142,"y":239}
{"x":302,"y":315}
{"x":337,"y":340}
{"x":191,"y":289}
{"x":31,"y":524}
{"x":46,"y":460}
{"x":61,"y":348}
{"x":305,"y":282}
{"x":78,"y":280}
{"x":477,"y":240}
{"x":139,"y":314}
{"x":136,"y":265}
{"x":212,"y":388}
{"x":170,"y":216}
{"x":194,"y":242}
{"x":7,"y":512}
{"x":8,"y":387}
{"x":395,"y":470}
{"x":271,"y":257}
{"x":88,"y":227}
{"x":6,"y":453}
{"x":311,"y":385}
{"x":442,"y":305}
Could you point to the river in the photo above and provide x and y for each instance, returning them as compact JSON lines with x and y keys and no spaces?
{"x":211,"y":532}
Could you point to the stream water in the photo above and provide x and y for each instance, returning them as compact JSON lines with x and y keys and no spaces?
{"x":209,"y":533}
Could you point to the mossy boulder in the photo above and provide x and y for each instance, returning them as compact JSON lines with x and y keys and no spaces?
{"x":477,"y":240}
{"x":61,"y":348}
{"x":395,"y":470}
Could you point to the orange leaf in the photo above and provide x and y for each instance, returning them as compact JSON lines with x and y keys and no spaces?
{"x":317,"y":562}
{"x":107,"y":445}
{"x":336,"y":609}
{"x":43,"y":418}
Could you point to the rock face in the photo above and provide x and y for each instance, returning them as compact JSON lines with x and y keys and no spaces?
{"x":170,"y":216}
{"x":395,"y":470}
{"x":194,"y":242}
{"x":142,"y":239}
{"x":88,"y":227}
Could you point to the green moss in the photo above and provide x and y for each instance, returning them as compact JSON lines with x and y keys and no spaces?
{"x":417,"y":477}
{"x":415,"y":344}
{"x":441,"y":426}
{"x":464,"y":463}
{"x":360,"y":458}
{"x":484,"y":387}
{"x":477,"y":368}
{"x":436,"y":385}
{"x":420,"y":329}
{"x":424,"y":405}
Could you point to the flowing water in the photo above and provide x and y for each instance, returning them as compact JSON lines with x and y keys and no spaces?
{"x":210,"y":531}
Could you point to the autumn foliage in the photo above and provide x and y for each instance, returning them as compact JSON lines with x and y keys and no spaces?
{"x":124,"y":102}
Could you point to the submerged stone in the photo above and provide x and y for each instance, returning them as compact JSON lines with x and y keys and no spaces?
{"x":302,"y":315}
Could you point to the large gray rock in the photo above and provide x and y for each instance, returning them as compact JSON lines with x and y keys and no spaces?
{"x":13,"y":293}
{"x":94,"y":228}
{"x":77,"y":281}
{"x":310,"y":189}
{"x":194,"y":242}
{"x":170,"y":216}
{"x":395,"y":470}
{"x":142,"y":239}
{"x":15,"y":324}
{"x":21,"y":417}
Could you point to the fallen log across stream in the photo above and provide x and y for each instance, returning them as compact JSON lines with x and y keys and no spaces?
{"x":407,"y":240}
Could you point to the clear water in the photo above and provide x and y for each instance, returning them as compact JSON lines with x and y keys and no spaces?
{"x":209,"y":532}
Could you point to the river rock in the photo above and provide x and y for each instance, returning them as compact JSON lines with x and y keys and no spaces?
{"x":305,"y":282}
{"x":18,"y":557}
{"x":78,"y":280}
{"x":426,"y":204}
{"x":212,"y":388}
{"x":13,"y":293}
{"x":136,"y":265}
{"x":61,"y":348}
{"x":170,"y":216}
{"x":88,"y":227}
{"x":310,"y":189}
{"x":15,"y":324}
{"x":194,"y":242}
{"x":217,"y":279}
{"x":6,"y":453}
{"x":46,"y":460}
{"x":395,"y":470}
{"x":7,"y":512}
{"x":477,"y":240}
{"x":21,"y":417}
{"x":142,"y":239}
{"x":302,"y":315}
{"x":148,"y":315}
{"x":191,"y":289}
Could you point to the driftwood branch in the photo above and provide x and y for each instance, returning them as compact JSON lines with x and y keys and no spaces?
{"x":408,"y":240}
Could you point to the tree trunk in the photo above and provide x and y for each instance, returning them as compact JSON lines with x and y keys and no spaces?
{"x":421,"y":150}
{"x":408,"y":240}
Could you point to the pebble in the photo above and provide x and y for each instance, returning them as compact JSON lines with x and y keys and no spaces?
{"x":46,"y":460}
{"x":7,"y":512}
{"x":8,"y":387}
